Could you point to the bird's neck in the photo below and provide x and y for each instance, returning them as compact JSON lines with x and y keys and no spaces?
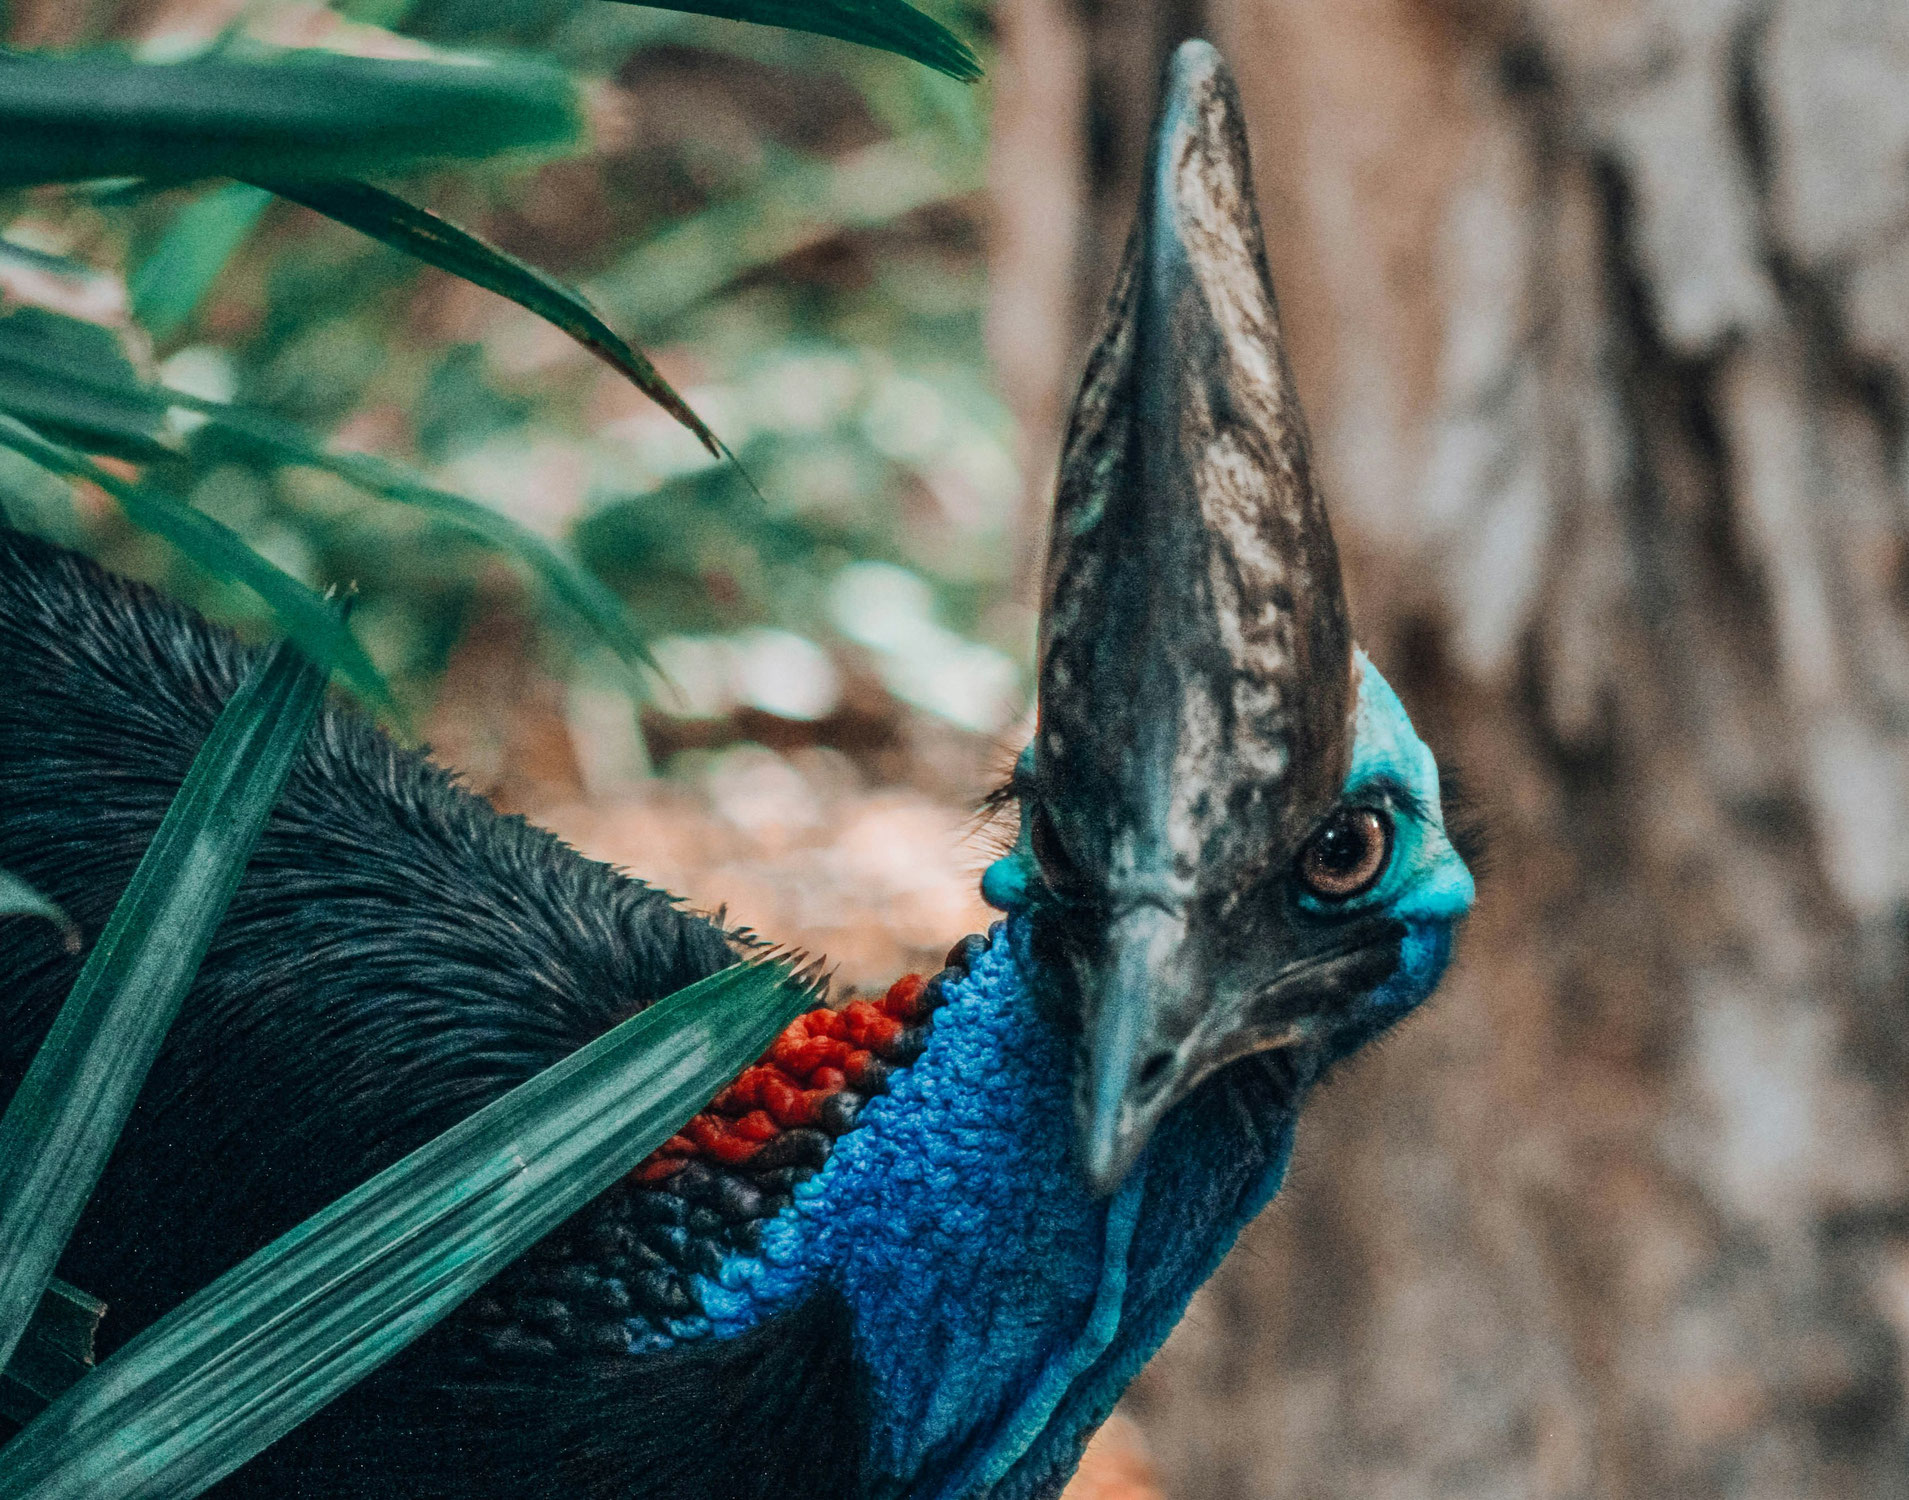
{"x":997,"y":1308}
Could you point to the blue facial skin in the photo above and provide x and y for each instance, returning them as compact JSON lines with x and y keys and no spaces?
{"x":1000,"y":1309}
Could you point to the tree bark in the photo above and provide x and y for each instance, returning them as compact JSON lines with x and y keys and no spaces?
{"x":1601,"y":313}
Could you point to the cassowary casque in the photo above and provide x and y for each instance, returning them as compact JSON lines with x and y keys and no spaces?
{"x":921,"y":1247}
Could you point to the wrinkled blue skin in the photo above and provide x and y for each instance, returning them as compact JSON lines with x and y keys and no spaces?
{"x":1000,"y":1308}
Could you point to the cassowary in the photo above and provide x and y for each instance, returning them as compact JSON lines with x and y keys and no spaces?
{"x":923,"y":1245}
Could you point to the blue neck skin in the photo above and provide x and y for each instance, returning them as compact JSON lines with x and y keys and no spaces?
{"x":998,"y":1308}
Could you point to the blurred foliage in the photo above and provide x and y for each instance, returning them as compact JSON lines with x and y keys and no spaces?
{"x":787,"y":225}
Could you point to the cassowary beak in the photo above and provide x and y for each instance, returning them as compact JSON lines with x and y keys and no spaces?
{"x":1195,"y":675}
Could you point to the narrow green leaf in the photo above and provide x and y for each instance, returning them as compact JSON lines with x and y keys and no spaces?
{"x":173,"y":279}
{"x":18,"y":899}
{"x":56,"y":1350}
{"x":61,"y":1124}
{"x":890,"y":25}
{"x":306,"y":616}
{"x":73,"y":379}
{"x":418,"y":232}
{"x":222,"y":552}
{"x":304,"y":1319}
{"x":301,"y":114}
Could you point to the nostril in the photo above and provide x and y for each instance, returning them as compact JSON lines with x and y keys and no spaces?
{"x":1153,"y":1071}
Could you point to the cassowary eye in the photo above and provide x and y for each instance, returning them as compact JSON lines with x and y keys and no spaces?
{"x":1347,"y":854}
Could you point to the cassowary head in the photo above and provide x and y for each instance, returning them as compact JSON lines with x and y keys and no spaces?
{"x":1230,"y":835}
{"x":1232,"y":868}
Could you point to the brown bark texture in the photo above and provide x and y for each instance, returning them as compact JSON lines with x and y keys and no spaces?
{"x":1601,"y":312}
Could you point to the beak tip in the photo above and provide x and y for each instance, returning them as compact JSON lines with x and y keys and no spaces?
{"x":1104,"y":1165}
{"x":1105,"y":1145}
{"x":1117,"y":1104}
{"x":1112,"y":1133}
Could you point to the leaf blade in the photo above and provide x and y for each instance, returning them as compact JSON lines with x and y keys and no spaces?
{"x":421,"y":233}
{"x":170,"y":283}
{"x":62,"y":1122}
{"x":888,"y":25}
{"x":303,"y":114}
{"x":56,"y":1351}
{"x":244,"y":1361}
{"x":73,"y":378}
{"x":58,"y":363}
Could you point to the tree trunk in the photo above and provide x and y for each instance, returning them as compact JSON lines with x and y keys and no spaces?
{"x":1601,"y":312}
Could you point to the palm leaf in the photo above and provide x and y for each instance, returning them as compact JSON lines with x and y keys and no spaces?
{"x":274,"y":1339}
{"x":61,"y":1124}
{"x":301,"y":114}
{"x":889,"y":25}
{"x":417,"y":232}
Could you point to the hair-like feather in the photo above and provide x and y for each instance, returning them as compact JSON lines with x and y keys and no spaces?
{"x":398,"y":956}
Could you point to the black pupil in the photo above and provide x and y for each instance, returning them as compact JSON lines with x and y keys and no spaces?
{"x":1342,"y":845}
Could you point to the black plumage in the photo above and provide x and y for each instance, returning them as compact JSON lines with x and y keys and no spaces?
{"x":398,"y":956}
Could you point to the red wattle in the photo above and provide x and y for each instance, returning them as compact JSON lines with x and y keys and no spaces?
{"x":818,"y":1054}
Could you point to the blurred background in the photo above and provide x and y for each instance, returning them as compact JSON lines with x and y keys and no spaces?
{"x":1600,"y":309}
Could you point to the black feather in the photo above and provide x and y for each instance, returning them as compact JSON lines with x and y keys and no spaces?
{"x":1465,"y":822}
{"x":398,"y":956}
